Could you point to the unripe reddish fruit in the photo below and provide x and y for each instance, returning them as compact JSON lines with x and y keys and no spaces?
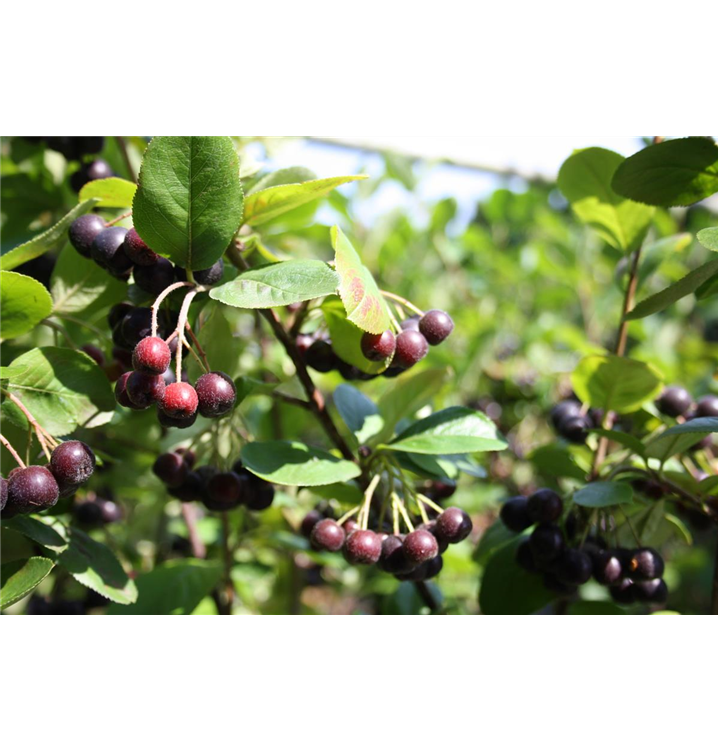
{"x":420,"y":546}
{"x":436,"y":325}
{"x":179,"y":401}
{"x":453,"y":525}
{"x":378,"y":346}
{"x":216,"y":394}
{"x":362,"y":547}
{"x":151,"y":355}
{"x":144,"y":389}
{"x":171,"y":469}
{"x":327,"y":535}
{"x":137,"y":251}
{"x":411,"y":347}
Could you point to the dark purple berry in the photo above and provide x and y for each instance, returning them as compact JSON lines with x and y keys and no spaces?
{"x":546,"y":542}
{"x":156,"y":278}
{"x":224,"y":491}
{"x":674,"y":401}
{"x":171,"y":469}
{"x":151,"y":355}
{"x":83,"y":232}
{"x":362,"y":547}
{"x":95,"y":353}
{"x":137,"y":250}
{"x":320,"y":356}
{"x":259,"y":495}
{"x":575,"y":430}
{"x":411,"y":347}
{"x":435,"y":326}
{"x":623,"y":592}
{"x":327,"y":535}
{"x":573,"y":567}
{"x":144,"y":389}
{"x":191,"y":489}
{"x":117,"y":313}
{"x":32,"y":489}
{"x":607,"y":567}
{"x":216,"y":394}
{"x":393,"y":556}
{"x":121,"y":391}
{"x":410,"y":324}
{"x":98,"y":169}
{"x":453,"y":525}
{"x":552,"y":582}
{"x":420,"y":546}
{"x":645,"y":564}
{"x":654,"y":591}
{"x":378,"y":346}
{"x":525,"y":557}
{"x":514,"y":514}
{"x":544,"y":506}
{"x":136,"y":325}
{"x":72,"y":462}
{"x":107,"y":250}
{"x":309,"y":522}
{"x":111,"y":511}
{"x":441,"y":489}
{"x":707,"y":406}
{"x":179,"y":400}
{"x":210,"y":276}
{"x":179,"y":423}
{"x":563,"y":411}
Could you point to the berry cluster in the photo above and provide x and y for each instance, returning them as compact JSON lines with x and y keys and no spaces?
{"x":572,"y":420}
{"x":219,"y":491}
{"x":404,"y":350}
{"x":676,"y":402}
{"x":95,"y":511}
{"x":32,"y":489}
{"x":631,"y":575}
{"x":82,"y":149}
{"x":415,"y":556}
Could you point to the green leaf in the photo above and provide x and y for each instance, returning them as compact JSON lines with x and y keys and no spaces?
{"x":360,"y":413}
{"x":24,"y":302}
{"x":265,"y":205}
{"x":216,"y":337}
{"x":20,"y":577}
{"x":407,"y":395}
{"x":672,"y":173}
{"x":247,"y":386}
{"x":615,"y":383}
{"x":362,"y":299}
{"x":51,"y":239}
{"x":296,"y":464}
{"x":286,"y":176}
{"x":709,"y":238}
{"x":585,"y":180}
{"x":665,"y":298}
{"x":681,"y":437}
{"x":77,"y":283}
{"x":453,"y":430}
{"x":594,"y":608}
{"x":346,"y":338}
{"x":188,"y":205}
{"x":556,"y":461}
{"x":173,"y":588}
{"x":622,"y":438}
{"x":62,"y":389}
{"x":278,"y":284}
{"x":94,"y":565}
{"x":508,"y":589}
{"x":493,"y":539}
{"x":111,"y":192}
{"x":603,"y":494}
{"x":10,"y":372}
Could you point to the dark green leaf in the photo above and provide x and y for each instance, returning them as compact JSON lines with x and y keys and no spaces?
{"x":672,"y":173}
{"x":623,"y":438}
{"x":679,"y":438}
{"x":20,"y":577}
{"x":603,"y":494}
{"x":293,"y":463}
{"x":556,"y":461}
{"x":453,"y":430}
{"x":493,"y":539}
{"x":51,"y":239}
{"x":595,"y":608}
{"x":112,"y":192}
{"x":247,"y":386}
{"x":24,"y":302}
{"x":360,"y":413}
{"x":278,"y":284}
{"x":188,"y":205}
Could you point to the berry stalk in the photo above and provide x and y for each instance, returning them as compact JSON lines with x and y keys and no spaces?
{"x":12,"y":451}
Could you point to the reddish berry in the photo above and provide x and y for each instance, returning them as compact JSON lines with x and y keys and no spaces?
{"x":3,"y":493}
{"x":121,"y":391}
{"x":362,"y":547}
{"x":151,"y":355}
{"x":453,"y":525}
{"x":327,"y":535}
{"x":171,"y":469}
{"x":72,"y":463}
{"x":309,"y":522}
{"x":32,"y":489}
{"x":707,"y":406}
{"x":411,"y":347}
{"x":436,"y":325}
{"x":137,"y":250}
{"x":144,"y":389}
{"x":378,"y":346}
{"x":95,"y":353}
{"x":420,"y":546}
{"x":179,"y":401}
{"x":216,"y":394}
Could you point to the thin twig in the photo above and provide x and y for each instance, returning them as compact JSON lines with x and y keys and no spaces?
{"x":118,"y":219}
{"x":12,"y":451}
{"x":190,"y":518}
{"x":198,"y":346}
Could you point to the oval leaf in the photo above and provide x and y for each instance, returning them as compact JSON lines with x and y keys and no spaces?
{"x":188,"y":204}
{"x":296,"y":464}
{"x":20,"y":577}
{"x":51,"y":239}
{"x":615,"y":383}
{"x":278,"y":284}
{"x":709,"y":238}
{"x":672,"y":173}
{"x":24,"y":302}
{"x":62,"y":389}
{"x":585,"y":180}
{"x":112,"y":192}
{"x":453,"y":430}
{"x":603,"y":494}
{"x":266,"y":204}
{"x":679,"y":438}
{"x":359,"y":412}
{"x":362,"y":299}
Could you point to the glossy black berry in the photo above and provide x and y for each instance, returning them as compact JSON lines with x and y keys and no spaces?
{"x":564,"y":411}
{"x":707,"y":406}
{"x":645,"y":564}
{"x":411,"y":347}
{"x":224,"y":491}
{"x":573,"y":567}
{"x":179,"y":400}
{"x":654,"y":591}
{"x":435,"y":326}
{"x":32,"y":489}
{"x":259,"y":495}
{"x":546,"y":542}
{"x":107,"y":250}
{"x":72,"y":462}
{"x":216,"y":394}
{"x":117,"y":313}
{"x":191,"y":489}
{"x":151,"y":355}
{"x":144,"y":389}
{"x":320,"y":356}
{"x":156,"y":278}
{"x":575,"y":430}
{"x":420,"y":546}
{"x":607,"y":567}
{"x":177,"y":422}
{"x":327,"y":535}
{"x":309,"y":522}
{"x":623,"y":592}
{"x":393,"y":556}
{"x":674,"y":401}
{"x":137,"y":250}
{"x":453,"y":525}
{"x":171,"y":469}
{"x":210,"y":276}
{"x":514,"y":514}
{"x":378,"y":346}
{"x":362,"y":547}
{"x":136,"y":325}
{"x":544,"y":506}
{"x":83,"y":232}
{"x":98,"y":169}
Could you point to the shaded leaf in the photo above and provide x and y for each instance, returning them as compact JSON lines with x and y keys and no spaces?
{"x":359,"y":412}
{"x":681,"y":437}
{"x":603,"y":494}
{"x":20,"y":577}
{"x":24,"y":302}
